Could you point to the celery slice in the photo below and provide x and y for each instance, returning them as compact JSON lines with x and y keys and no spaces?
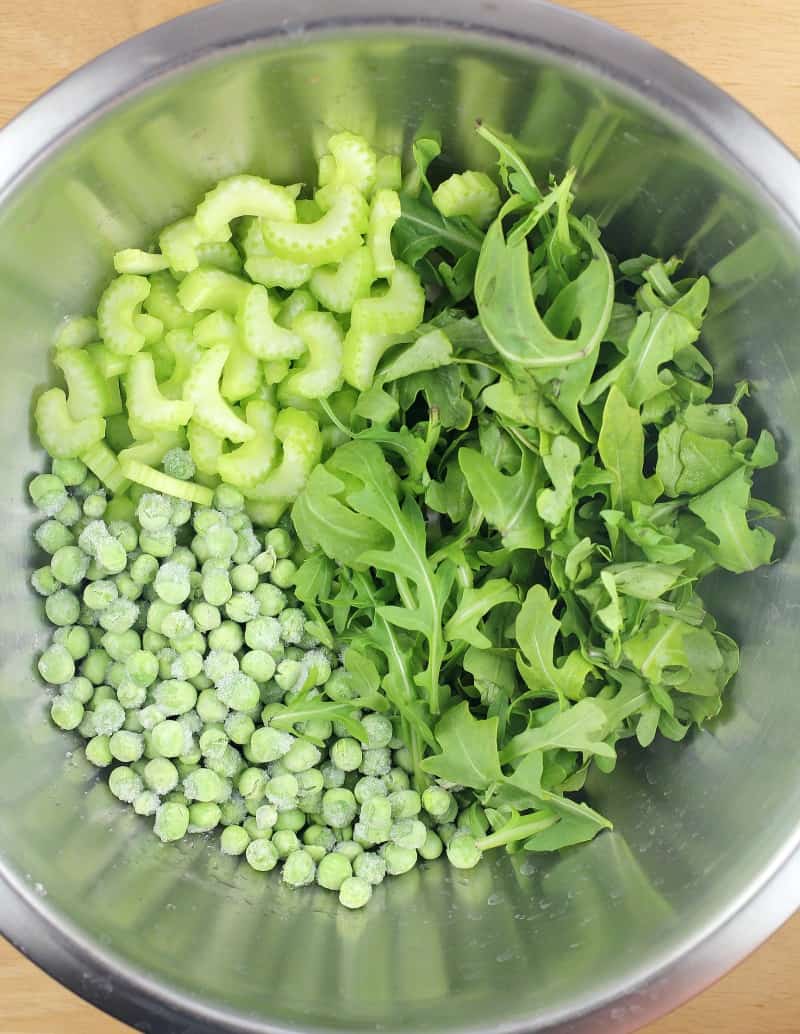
{"x":300,"y":437}
{"x":246,"y":466}
{"x":179,"y":243}
{"x":339,"y":288}
{"x":384,"y":213}
{"x":63,"y":437}
{"x":162,"y":302}
{"x":210,"y":408}
{"x":238,"y":196}
{"x":104,"y":464}
{"x":205,"y":447}
{"x":329,"y":239}
{"x":212,"y":289}
{"x":118,"y":306}
{"x":397,"y":311}
{"x":471,"y":194}
{"x":261,"y":335}
{"x":142,"y":474}
{"x":147,"y":407}
{"x":320,"y":374}
{"x":88,"y":391}
{"x":141,"y":263}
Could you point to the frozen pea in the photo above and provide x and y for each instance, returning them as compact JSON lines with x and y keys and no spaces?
{"x":172,"y":822}
{"x":339,"y":686}
{"x":159,"y":543}
{"x":355,"y":892}
{"x":125,"y":533}
{"x":376,"y":812}
{"x":377,"y":761}
{"x":280,"y":541}
{"x":227,"y":764}
{"x":261,"y":855}
{"x":369,"y":786}
{"x":79,"y":688}
{"x":349,"y":848}
{"x":95,"y":665}
{"x":285,"y":841}
{"x":333,"y":870}
{"x":203,"y":816}
{"x":252,"y":784}
{"x":233,"y":811}
{"x":264,"y":561}
{"x":282,"y":791}
{"x":176,"y":624}
{"x":370,"y":866}
{"x":125,"y":784}
{"x":98,"y":753}
{"x":228,"y":637}
{"x":293,"y":623}
{"x":202,"y":785}
{"x":75,"y":639}
{"x":71,"y":472}
{"x":205,"y":616}
{"x":406,"y":804}
{"x":121,"y":645}
{"x":109,"y":715}
{"x":161,"y":776}
{"x":436,"y":801}
{"x":271,"y":599}
{"x":48,"y":493}
{"x":175,"y":696}
{"x":141,"y":667}
{"x":178,"y":463}
{"x":234,"y":840}
{"x":266,"y":816}
{"x":172,"y":583}
{"x":94,"y":505}
{"x":62,"y":607}
{"x":119,"y":616}
{"x":283,"y":573}
{"x":187,"y":665}
{"x":56,"y":665}
{"x":262,"y":633}
{"x":404,"y":760}
{"x":166,"y":739}
{"x":44,"y":581}
{"x":301,"y":756}
{"x":143,"y":569}
{"x":259,"y":665}
{"x":154,"y":511}
{"x":339,"y":807}
{"x":221,"y":541}
{"x":242,"y":607}
{"x":70,"y":513}
{"x":378,"y":729}
{"x":268,"y":744}
{"x":292,"y":818}
{"x":463,"y":851}
{"x":239,"y":728}
{"x":126,"y":746}
{"x":53,"y":536}
{"x":146,"y":803}
{"x":244,"y":578}
{"x":228,"y":499}
{"x":66,"y":712}
{"x":69,"y":565}
{"x":398,"y":859}
{"x":127,"y":587}
{"x":432,"y":847}
{"x":210,"y":707}
{"x":238,"y":691}
{"x":299,"y":869}
{"x":347,"y":754}
{"x":408,"y":833}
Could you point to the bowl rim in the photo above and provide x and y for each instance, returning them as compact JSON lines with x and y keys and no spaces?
{"x":681,"y":95}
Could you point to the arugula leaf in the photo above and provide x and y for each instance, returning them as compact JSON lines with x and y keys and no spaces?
{"x":723,"y":510}
{"x":581,"y":727}
{"x":621,"y":448}
{"x":468,"y":750}
{"x":536,"y":631}
{"x":506,"y":500}
{"x":473,"y":606}
{"x":560,"y":463}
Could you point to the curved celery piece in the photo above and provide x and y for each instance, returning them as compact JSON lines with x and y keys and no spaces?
{"x":263,"y":267}
{"x":329,"y":239}
{"x":115,"y":406}
{"x":468,"y":193}
{"x":141,"y":263}
{"x":275,"y":371}
{"x":261,"y":335}
{"x":205,"y":447}
{"x":351,"y":161}
{"x":384,"y":213}
{"x":241,"y":376}
{"x":398,"y":311}
{"x":339,"y":288}
{"x":88,"y":391}
{"x":103,"y":464}
{"x":219,"y":255}
{"x":150,"y":326}
{"x":142,"y":474}
{"x":76,"y":332}
{"x":162,"y":302}
{"x":361,"y":354}
{"x":389,"y":173}
{"x":152,"y":451}
{"x":212,"y":289}
{"x":147,"y":407}
{"x":246,"y":466}
{"x":266,"y":515}
{"x":308,"y":211}
{"x":184,"y":351}
{"x":218,"y":328}
{"x":320,"y":374}
{"x":179,"y":243}
{"x":210,"y":408}
{"x":299,"y":434}
{"x":296,"y":304}
{"x":63,"y":437}
{"x":108,"y":363}
{"x":238,"y":196}
{"x":118,"y":305}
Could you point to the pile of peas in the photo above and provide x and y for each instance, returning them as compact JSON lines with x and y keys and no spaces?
{"x":177,"y":646}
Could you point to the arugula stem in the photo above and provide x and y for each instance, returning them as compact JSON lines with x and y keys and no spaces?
{"x":509,"y":834}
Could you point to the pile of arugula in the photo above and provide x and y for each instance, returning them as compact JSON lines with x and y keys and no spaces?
{"x":508,"y":540}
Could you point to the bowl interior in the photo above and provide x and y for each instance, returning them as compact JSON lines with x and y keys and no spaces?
{"x":520,"y":940}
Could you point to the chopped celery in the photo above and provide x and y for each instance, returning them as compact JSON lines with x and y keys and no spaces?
{"x":238,"y":196}
{"x":76,"y":332}
{"x":160,"y":482}
{"x":261,"y":335}
{"x":103,"y":464}
{"x":141,"y":263}
{"x":179,"y":243}
{"x":146,"y":404}
{"x":320,"y":374}
{"x":362,"y":353}
{"x":468,"y":193}
{"x":351,"y":161}
{"x":384,"y":213}
{"x":88,"y":392}
{"x":118,"y":306}
{"x":329,"y":239}
{"x":388,"y":173}
{"x":397,"y":311}
{"x":205,"y":447}
{"x":212,"y":289}
{"x":241,"y":376}
{"x":218,"y":328}
{"x":210,"y":408}
{"x":162,"y":302}
{"x":298,"y":433}
{"x":339,"y":288}
{"x":152,"y":450}
{"x":63,"y":437}
{"x":248,"y":465}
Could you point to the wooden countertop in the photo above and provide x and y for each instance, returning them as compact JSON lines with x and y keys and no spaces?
{"x":751,"y":50}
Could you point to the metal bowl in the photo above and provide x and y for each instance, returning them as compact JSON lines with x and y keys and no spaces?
{"x":704,"y":861}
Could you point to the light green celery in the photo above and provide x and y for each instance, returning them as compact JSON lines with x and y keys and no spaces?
{"x":88,"y":392}
{"x":384,"y":213}
{"x":389,"y":173}
{"x":212,"y":289}
{"x":320,"y":373}
{"x":351,"y":161}
{"x":241,"y":376}
{"x":147,"y":407}
{"x":361,"y":354}
{"x":61,"y":436}
{"x":266,"y":515}
{"x":150,"y":326}
{"x":107,"y":362}
{"x":339,"y":288}
{"x":261,"y":335}
{"x":184,"y":351}
{"x":275,"y":371}
{"x":248,"y":465}
{"x":397,"y":311}
{"x":238,"y":196}
{"x":140,"y":263}
{"x":219,"y":255}
{"x":118,"y":306}
{"x":77,"y":332}
{"x":296,"y":304}
{"x":263,"y":267}
{"x":152,"y":451}
{"x":329,"y":239}
{"x":179,"y":243}
{"x":142,"y":474}
{"x":471,"y":194}
{"x":210,"y":408}
{"x":298,"y":433}
{"x":205,"y":447}
{"x":218,"y":328}
{"x":162,"y":302}
{"x":104,"y":465}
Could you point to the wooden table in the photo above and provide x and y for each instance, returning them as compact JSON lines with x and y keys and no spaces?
{"x":749,"y":50}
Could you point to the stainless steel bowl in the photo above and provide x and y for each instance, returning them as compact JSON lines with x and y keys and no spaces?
{"x":704,"y":862}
